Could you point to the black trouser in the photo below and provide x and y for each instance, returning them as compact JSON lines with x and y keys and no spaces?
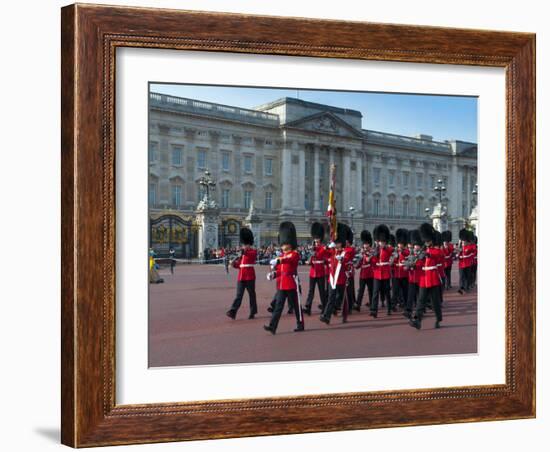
{"x":473,"y":275}
{"x":172,"y":265}
{"x":399,"y":290}
{"x":280,"y":297}
{"x":362,"y":283}
{"x":320,"y":282}
{"x":335,"y":297}
{"x":464,"y":274}
{"x":380,"y":289}
{"x":250,"y":287}
{"x":412,"y":296}
{"x":448,"y":277}
{"x":434,"y":295}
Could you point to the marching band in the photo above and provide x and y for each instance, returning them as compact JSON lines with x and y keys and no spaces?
{"x":408,"y":271}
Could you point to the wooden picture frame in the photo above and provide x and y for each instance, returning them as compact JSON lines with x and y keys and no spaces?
{"x":90,"y":36}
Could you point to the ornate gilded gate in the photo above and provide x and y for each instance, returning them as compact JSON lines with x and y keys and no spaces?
{"x":171,"y":231}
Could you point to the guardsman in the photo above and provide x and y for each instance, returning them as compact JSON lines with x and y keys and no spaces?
{"x":365,"y":273}
{"x":317,"y":261}
{"x":286,"y":273}
{"x":448,"y":255}
{"x":465,"y":260}
{"x":438,"y":242}
{"x":246,"y":278}
{"x":382,"y":273}
{"x":400,"y":281}
{"x":414,"y":264}
{"x":338,"y":261}
{"x":473,"y":273}
{"x":430,"y":280}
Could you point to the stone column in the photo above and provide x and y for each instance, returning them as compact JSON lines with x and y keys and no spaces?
{"x":316,"y":178}
{"x":286,"y":159}
{"x":301,"y":176}
{"x":358,"y":183}
{"x":346,"y":181}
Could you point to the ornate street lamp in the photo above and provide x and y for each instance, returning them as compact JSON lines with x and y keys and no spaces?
{"x":351,"y":210}
{"x":207,"y":182}
{"x":440,"y":189}
{"x":474,"y":197}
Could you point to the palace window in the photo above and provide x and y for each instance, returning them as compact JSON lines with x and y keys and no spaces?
{"x":176,"y":195}
{"x":432,"y":181}
{"x":376,"y":207}
{"x":419,"y":207}
{"x":268,"y":200}
{"x":391,"y":207}
{"x":247,"y":163}
{"x":306,"y":201}
{"x":177,"y":156}
{"x":376,"y":176}
{"x":225,"y":198}
{"x":406,"y":179}
{"x":464,"y":183}
{"x":268,"y":167}
{"x":322,"y":202}
{"x":464,"y":209}
{"x":247,"y":199}
{"x":226,"y":161}
{"x":405,"y":207}
{"x":391,"y":177}
{"x":153,"y":151}
{"x":152,"y":194}
{"x":306,"y":169}
{"x":201,"y":159}
{"x":322,"y":169}
{"x":419,"y":180}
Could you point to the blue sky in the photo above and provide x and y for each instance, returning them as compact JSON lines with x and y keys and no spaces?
{"x":443,"y":117}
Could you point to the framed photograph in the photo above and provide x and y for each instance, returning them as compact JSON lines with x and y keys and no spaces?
{"x":283,"y":225}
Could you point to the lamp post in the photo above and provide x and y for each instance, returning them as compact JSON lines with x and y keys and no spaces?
{"x":351,"y":210}
{"x":474,"y":196}
{"x":440,"y":189}
{"x":207,"y":182}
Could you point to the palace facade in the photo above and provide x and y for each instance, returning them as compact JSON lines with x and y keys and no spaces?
{"x":276,"y":158}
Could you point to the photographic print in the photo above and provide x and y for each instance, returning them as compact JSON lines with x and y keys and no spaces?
{"x":294,"y":225}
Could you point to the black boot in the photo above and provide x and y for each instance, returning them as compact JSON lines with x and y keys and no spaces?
{"x":415,"y":323}
{"x":299,"y":328}
{"x":269,"y":328}
{"x":231,"y":314}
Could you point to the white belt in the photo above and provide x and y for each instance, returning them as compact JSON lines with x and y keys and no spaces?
{"x":467,"y":255}
{"x":380,"y":264}
{"x":430,"y":268}
{"x":246,"y":265}
{"x":317,"y":262}
{"x":440,"y":265}
{"x":448,"y":257}
{"x":365,"y":266}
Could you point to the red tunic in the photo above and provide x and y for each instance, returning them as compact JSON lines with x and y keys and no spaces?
{"x":245,"y":264}
{"x":430,"y":271}
{"x":448,"y":255}
{"x":382,"y":263}
{"x":318,"y":262}
{"x":400,"y":270}
{"x":333,"y":266}
{"x":366,"y":271}
{"x":286,"y":270}
{"x":466,"y":256}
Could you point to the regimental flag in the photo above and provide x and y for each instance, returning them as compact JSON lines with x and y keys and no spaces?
{"x":331,"y":209}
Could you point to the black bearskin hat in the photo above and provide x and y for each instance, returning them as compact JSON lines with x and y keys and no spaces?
{"x":342,"y":233}
{"x":427,"y":232}
{"x":438,"y":238}
{"x":402,"y":236}
{"x":381,"y":233}
{"x":463,"y":235}
{"x":287,"y":234}
{"x":366,"y":237}
{"x":246,"y":236}
{"x":447,"y":236}
{"x":414,"y":237}
{"x":317,"y":231}
{"x":472,"y":237}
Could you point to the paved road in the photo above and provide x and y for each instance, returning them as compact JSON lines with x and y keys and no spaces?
{"x":188,"y":326}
